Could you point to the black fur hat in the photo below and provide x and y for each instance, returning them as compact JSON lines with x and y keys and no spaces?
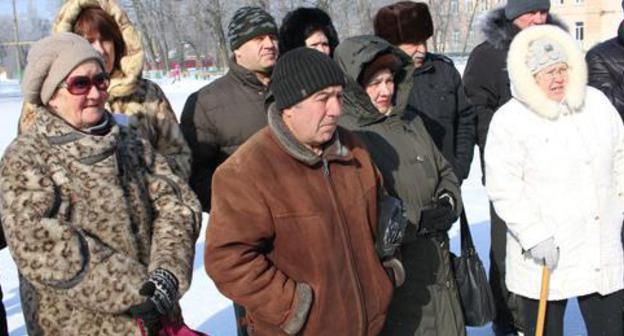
{"x":299,"y":24}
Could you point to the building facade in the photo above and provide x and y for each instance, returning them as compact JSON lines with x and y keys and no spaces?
{"x":590,"y":21}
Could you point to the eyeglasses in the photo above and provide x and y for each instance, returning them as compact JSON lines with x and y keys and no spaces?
{"x":81,"y":85}
{"x":554,"y":73}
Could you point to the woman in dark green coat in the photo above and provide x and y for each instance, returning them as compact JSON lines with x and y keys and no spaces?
{"x":379,"y":81}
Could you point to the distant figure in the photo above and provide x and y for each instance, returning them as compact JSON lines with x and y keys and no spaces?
{"x":107,"y":27}
{"x":308,"y":27}
{"x":487,"y":85}
{"x":437,"y":95}
{"x":101,"y":229}
{"x":413,"y":170}
{"x":555,"y":173}
{"x":606,"y":68}
{"x":295,"y":212}
{"x":176,"y":73}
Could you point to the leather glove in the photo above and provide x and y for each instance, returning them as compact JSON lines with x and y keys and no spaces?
{"x":161,"y":290}
{"x":438,"y":218}
{"x":546,"y":252}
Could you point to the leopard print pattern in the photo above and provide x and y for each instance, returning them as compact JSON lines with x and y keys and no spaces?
{"x":86,"y":219}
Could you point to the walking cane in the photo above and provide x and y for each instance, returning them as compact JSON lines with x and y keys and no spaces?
{"x":541,"y":310}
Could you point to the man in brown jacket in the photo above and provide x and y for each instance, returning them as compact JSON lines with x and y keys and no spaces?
{"x":291,"y":233}
{"x":222,"y":115}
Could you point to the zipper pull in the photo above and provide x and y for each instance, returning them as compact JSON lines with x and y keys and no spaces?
{"x":325,"y":167}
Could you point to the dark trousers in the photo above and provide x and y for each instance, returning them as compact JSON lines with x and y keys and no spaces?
{"x":241,"y":320}
{"x":602,"y":314}
{"x":508,"y":305}
{"x":3,"y":323}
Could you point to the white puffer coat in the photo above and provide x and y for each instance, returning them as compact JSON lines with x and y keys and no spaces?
{"x":557,"y":170}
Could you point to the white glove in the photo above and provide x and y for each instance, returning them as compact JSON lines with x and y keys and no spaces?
{"x":546,"y":252}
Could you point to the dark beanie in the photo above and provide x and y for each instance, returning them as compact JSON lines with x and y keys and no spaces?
{"x":249,"y":22}
{"x":515,"y":8}
{"x":404,"y":22}
{"x":385,"y":61}
{"x":302,"y":72}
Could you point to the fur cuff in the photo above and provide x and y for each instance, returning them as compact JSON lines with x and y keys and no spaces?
{"x":301,"y":308}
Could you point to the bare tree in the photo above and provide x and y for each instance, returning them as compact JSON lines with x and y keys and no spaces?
{"x":18,"y":49}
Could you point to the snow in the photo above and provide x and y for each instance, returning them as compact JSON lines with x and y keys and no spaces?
{"x":204,"y":308}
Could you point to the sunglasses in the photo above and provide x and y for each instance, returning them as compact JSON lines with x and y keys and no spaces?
{"x":81,"y":85}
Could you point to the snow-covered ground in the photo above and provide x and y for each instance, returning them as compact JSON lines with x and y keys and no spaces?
{"x":204,"y":308}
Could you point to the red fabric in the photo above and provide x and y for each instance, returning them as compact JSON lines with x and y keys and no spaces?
{"x":171,"y":328}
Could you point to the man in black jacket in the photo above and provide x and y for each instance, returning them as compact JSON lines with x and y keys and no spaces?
{"x":606,"y":65}
{"x":487,"y":86}
{"x":437,"y":94}
{"x":225,"y":113}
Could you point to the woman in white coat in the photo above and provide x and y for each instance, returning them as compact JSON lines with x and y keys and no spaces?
{"x":555,"y":173}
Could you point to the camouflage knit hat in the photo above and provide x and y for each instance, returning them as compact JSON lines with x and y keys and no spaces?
{"x":249,"y":22}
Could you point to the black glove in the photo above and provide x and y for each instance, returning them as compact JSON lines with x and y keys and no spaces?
{"x":439,"y":218}
{"x":162,"y":291}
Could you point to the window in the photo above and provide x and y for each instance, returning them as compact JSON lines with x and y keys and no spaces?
{"x":578,"y":1}
{"x":579,"y":31}
{"x":561,"y":2}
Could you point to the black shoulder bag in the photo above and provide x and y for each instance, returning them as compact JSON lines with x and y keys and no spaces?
{"x":474,"y":290}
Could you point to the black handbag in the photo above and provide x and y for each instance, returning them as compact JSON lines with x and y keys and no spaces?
{"x":474,"y":290}
{"x":391,"y":227}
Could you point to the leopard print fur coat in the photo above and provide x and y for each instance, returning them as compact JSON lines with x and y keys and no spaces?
{"x":86,"y":219}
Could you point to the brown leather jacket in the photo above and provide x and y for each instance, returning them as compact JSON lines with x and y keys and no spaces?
{"x":283,"y":219}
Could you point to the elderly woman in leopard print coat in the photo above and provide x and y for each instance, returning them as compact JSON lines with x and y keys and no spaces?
{"x":101,"y":229}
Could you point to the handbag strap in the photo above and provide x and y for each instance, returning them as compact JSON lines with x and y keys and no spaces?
{"x":467,"y":245}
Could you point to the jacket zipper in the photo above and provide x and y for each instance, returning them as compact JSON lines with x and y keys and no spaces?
{"x":347,"y":243}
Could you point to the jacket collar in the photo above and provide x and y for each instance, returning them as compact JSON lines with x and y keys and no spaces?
{"x":426,"y":66}
{"x":124,"y":81}
{"x":85,"y":148}
{"x":500,"y":31}
{"x":620,"y":35}
{"x":334,"y":150}
{"x":245,"y":76}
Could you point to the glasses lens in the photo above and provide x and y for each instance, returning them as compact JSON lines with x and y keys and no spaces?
{"x":78,"y":85}
{"x":101,"y":81}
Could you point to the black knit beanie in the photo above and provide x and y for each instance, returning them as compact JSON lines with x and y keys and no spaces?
{"x":515,"y":8}
{"x":249,"y":22}
{"x":302,"y":72}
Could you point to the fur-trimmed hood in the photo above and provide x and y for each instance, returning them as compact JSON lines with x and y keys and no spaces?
{"x":500,"y":31}
{"x":124,"y":81}
{"x":352,"y":55}
{"x":523,"y":85}
{"x":300,"y":22}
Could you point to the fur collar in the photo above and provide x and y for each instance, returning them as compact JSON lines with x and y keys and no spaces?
{"x":83,"y":147}
{"x":124,"y":81}
{"x":333,"y":151}
{"x":499,"y":31}
{"x":523,"y":85}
